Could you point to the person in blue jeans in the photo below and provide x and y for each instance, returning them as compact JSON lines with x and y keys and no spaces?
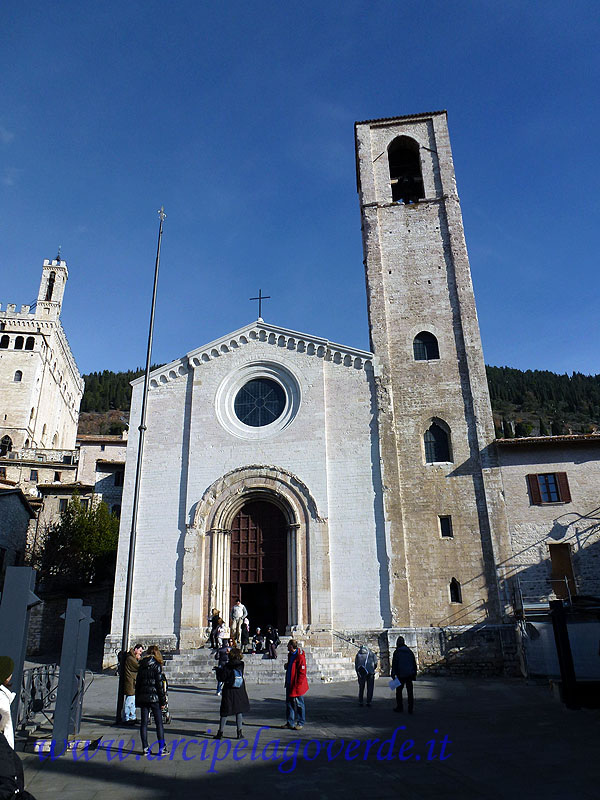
{"x":150,"y":697}
{"x":296,"y":686}
{"x":365,"y":665}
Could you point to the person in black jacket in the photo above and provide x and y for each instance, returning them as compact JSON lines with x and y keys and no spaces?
{"x":404,"y":669}
{"x":12,"y":785}
{"x":235,"y":698}
{"x":245,"y":635}
{"x":150,"y":697}
{"x":271,"y":642}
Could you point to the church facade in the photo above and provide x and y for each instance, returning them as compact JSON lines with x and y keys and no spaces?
{"x":335,"y":491}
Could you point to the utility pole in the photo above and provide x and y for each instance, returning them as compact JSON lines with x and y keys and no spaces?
{"x":138,"y":473}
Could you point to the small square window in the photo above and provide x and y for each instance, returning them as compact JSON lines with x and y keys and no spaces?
{"x":2,"y":472}
{"x":57,"y":477}
{"x":84,"y":503}
{"x":102,"y":447}
{"x":33,"y":475}
{"x":446,"y":527}
{"x":62,"y":505}
{"x":119,"y":477}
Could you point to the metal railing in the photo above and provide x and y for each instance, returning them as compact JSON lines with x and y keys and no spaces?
{"x":37,"y":694}
{"x":535,"y":600}
{"x":39,"y":688}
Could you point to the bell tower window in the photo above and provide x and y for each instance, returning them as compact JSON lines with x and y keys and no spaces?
{"x":425,"y":347}
{"x":437,"y":444}
{"x":50,"y":287}
{"x":406,"y":177}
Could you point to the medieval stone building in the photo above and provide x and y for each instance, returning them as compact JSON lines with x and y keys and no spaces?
{"x":40,"y":383}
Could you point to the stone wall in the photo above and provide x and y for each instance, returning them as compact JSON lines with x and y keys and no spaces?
{"x":485,"y":650}
{"x":14,"y":522}
{"x":46,"y":625}
{"x":533,"y":528}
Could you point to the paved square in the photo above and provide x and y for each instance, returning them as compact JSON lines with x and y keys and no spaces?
{"x":504,"y":738}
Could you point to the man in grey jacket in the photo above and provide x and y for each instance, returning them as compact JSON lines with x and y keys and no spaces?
{"x":404,"y":669}
{"x":365,"y":665}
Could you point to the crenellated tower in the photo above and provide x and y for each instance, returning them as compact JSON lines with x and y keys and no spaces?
{"x":52,"y":289}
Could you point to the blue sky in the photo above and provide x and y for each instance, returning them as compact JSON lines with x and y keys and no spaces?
{"x":238,"y":118}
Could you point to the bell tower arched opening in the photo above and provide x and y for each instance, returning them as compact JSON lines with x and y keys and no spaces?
{"x":259,"y":563}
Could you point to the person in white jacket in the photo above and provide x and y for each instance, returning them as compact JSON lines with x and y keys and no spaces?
{"x":7,"y":666}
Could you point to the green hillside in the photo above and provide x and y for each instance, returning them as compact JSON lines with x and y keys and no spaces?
{"x":529,"y":403}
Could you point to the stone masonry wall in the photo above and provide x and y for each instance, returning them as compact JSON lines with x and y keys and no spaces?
{"x":418,"y":279}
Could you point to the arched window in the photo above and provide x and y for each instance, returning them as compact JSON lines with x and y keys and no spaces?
{"x":4,"y":342}
{"x":19,"y":343}
{"x":50,"y":287}
{"x":425,"y":347}
{"x":55,"y":441}
{"x":455,"y":591}
{"x":31,"y":414}
{"x":26,"y":443}
{"x":405,"y":170}
{"x":18,"y":376}
{"x":29,"y":344}
{"x":5,"y":445}
{"x":437,"y":444}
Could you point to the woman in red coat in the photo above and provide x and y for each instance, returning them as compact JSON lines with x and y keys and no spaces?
{"x":296,"y":686}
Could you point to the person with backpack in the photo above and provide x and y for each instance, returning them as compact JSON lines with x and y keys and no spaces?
{"x":365,"y":665}
{"x":235,"y":698}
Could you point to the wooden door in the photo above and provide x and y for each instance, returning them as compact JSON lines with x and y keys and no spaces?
{"x":562,"y":568}
{"x":259,"y":559}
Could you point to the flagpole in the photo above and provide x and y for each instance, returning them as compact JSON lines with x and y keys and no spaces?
{"x":138,"y":472}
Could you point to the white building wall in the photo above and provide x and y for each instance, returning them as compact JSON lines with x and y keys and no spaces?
{"x":328,"y":446}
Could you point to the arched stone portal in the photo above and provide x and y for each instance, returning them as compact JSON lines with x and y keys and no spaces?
{"x":207,"y":550}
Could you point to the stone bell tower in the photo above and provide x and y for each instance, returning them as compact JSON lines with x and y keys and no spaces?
{"x":443,"y":504}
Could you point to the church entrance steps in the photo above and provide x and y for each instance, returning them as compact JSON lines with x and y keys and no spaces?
{"x":321,"y":663}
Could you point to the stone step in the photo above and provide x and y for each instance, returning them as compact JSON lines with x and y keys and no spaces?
{"x":322,"y":664}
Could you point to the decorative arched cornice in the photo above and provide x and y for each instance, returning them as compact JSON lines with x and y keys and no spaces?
{"x":226,"y":496}
{"x":280,"y":338}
